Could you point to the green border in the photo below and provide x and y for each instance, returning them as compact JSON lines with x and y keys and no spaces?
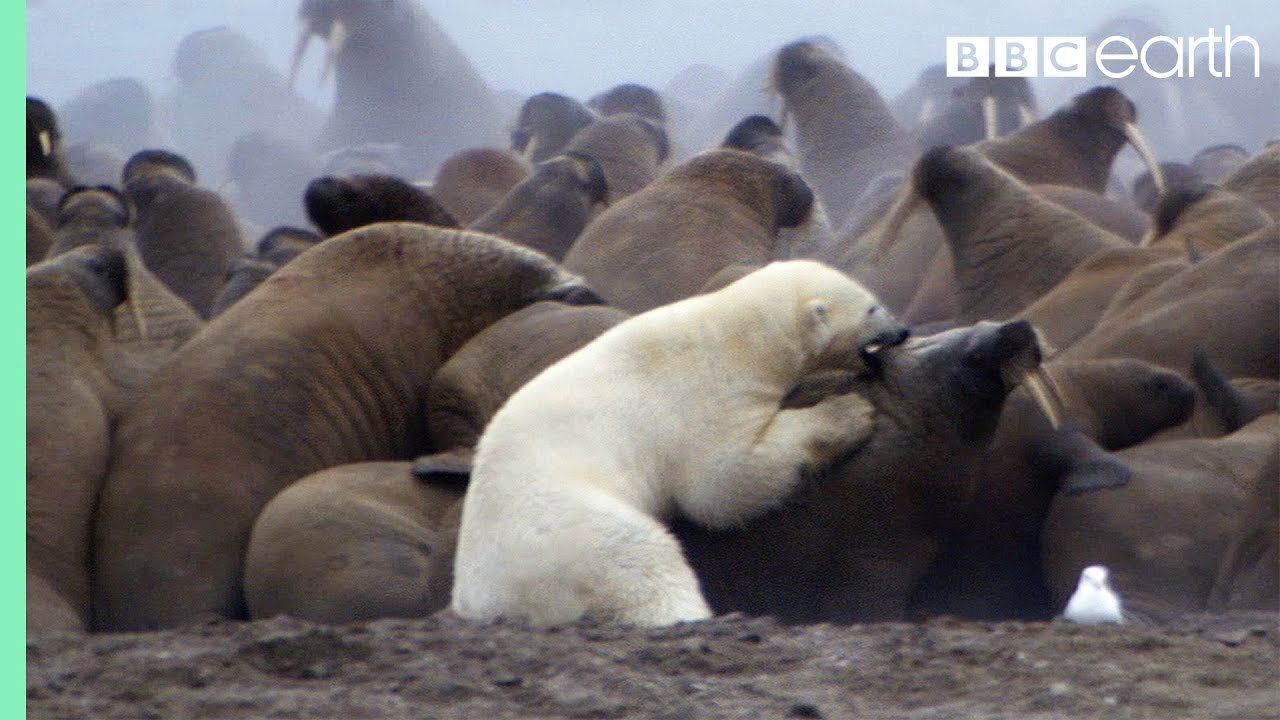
{"x":13,"y":434}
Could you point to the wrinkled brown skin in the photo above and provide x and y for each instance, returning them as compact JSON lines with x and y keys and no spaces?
{"x":1072,"y":308}
{"x":1223,"y":405}
{"x":70,"y":399}
{"x":896,"y":275}
{"x":1247,"y":577}
{"x":326,"y":363}
{"x":375,"y":540}
{"x":354,"y":542}
{"x":1259,"y":180}
{"x":39,"y":236}
{"x":1074,"y":147}
{"x":1121,"y":220}
{"x":990,"y":568}
{"x":722,"y":207}
{"x":1227,"y":304}
{"x":854,"y":541}
{"x":629,"y":148}
{"x":1140,"y":282}
{"x":846,"y":133}
{"x":1163,"y":535}
{"x":759,"y":135}
{"x":479,"y":378}
{"x":1008,"y":245}
{"x":187,"y":236}
{"x":1202,"y":220}
{"x":338,"y":203}
{"x":470,"y":183}
{"x":548,"y":210}
{"x":85,"y":358}
{"x":92,"y":216}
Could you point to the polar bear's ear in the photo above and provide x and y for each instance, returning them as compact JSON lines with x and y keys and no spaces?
{"x":818,"y":311}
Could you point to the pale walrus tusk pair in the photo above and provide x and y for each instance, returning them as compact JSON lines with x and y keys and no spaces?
{"x":338,"y":35}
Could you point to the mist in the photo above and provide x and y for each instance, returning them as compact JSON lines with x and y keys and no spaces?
{"x":580,"y":48}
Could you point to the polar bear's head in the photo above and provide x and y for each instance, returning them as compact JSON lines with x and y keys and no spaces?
{"x":837,"y":323}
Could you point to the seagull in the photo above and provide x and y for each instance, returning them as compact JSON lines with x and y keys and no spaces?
{"x":1094,"y":601}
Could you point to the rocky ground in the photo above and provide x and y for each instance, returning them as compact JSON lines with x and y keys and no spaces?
{"x":731,"y":667}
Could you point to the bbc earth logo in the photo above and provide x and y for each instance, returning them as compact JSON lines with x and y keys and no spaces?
{"x":1115,"y":57}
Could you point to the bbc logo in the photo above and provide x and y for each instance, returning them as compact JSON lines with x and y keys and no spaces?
{"x":1016,"y":56}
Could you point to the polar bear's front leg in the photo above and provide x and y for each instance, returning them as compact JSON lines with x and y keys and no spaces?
{"x":745,"y":482}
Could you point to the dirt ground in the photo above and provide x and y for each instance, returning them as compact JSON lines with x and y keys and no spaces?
{"x":730,"y":667}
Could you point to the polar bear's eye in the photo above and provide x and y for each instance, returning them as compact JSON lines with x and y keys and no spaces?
{"x":872,"y":310}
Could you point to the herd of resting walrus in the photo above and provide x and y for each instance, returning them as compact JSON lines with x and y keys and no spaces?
{"x":857,"y":367}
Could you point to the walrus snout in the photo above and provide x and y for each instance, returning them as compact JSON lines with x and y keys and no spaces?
{"x":887,"y":339}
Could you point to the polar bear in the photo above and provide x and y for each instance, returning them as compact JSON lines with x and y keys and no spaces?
{"x":676,"y":409}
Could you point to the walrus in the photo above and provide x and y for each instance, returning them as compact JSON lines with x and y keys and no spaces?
{"x":118,"y":112}
{"x":983,"y":108}
{"x":549,"y":209}
{"x":845,"y":133}
{"x":400,"y":79}
{"x":721,"y":207}
{"x":39,"y":236}
{"x":376,"y":539}
{"x":472,"y":182}
{"x":336,"y":204}
{"x":679,"y":409}
{"x":187,"y":235}
{"x":98,"y":322}
{"x":281,"y":244}
{"x":45,"y":157}
{"x":1009,"y":246}
{"x":93,"y":215}
{"x":761,"y":136}
{"x":325,"y":363}
{"x":630,"y":98}
{"x":268,"y":175}
{"x":546,"y":124}
{"x":629,"y":148}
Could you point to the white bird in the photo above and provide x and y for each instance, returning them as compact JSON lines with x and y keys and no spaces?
{"x":1094,"y":601}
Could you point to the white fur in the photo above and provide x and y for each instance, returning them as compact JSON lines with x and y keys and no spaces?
{"x":678,"y":407}
{"x":1094,"y":601}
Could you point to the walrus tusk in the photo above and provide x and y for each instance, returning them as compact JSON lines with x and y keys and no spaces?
{"x":338,"y":35}
{"x":894,"y":219}
{"x":1045,"y":392}
{"x":135,"y":267}
{"x":926,"y":110}
{"x":1139,"y":143}
{"x":990,"y":117}
{"x":530,"y":148}
{"x":46,"y":143}
{"x":1025,"y":114}
{"x":298,"y":51}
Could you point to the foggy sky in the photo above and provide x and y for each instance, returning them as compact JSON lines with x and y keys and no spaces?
{"x":579,"y":47}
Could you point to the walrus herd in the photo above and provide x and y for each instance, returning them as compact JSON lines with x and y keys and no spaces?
{"x":780,"y":345}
